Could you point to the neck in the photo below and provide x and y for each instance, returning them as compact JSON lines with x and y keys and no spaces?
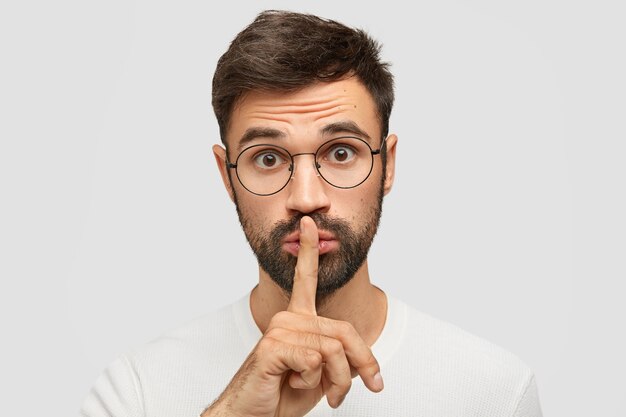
{"x":358,"y":302}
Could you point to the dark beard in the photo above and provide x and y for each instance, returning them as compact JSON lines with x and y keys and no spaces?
{"x":335,"y":268}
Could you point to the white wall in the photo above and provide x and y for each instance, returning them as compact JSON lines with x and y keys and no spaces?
{"x":507,"y":218}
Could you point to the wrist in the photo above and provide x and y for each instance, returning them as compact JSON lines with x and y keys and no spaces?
{"x":218,"y":409}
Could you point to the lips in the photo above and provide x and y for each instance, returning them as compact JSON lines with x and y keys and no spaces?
{"x":327,"y":242}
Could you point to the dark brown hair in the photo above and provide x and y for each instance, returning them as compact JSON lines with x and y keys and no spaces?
{"x":286,"y":51}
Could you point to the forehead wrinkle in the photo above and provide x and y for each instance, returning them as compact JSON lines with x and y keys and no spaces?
{"x":277,"y":117}
{"x":327,"y":113}
{"x":298,"y":106}
{"x":284,"y":117}
{"x":283,"y":114}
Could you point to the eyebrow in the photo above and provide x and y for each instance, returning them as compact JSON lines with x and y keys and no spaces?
{"x":259,"y":132}
{"x":345,"y":126}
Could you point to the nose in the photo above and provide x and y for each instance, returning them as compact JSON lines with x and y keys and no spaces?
{"x":307,"y":190}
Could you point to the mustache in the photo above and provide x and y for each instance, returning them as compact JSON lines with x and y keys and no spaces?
{"x":282,"y":228}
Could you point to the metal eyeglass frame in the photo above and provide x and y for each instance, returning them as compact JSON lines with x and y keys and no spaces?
{"x":231,"y":165}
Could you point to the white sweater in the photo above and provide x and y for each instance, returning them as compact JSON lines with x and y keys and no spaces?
{"x":431,"y":369}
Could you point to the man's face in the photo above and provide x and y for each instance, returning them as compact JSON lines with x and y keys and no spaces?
{"x":347,"y":219}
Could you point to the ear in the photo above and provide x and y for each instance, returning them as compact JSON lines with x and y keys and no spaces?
{"x":391,"y":143}
{"x":220,"y":158}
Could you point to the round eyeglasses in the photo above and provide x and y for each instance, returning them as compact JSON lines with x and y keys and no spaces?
{"x":343,"y":162}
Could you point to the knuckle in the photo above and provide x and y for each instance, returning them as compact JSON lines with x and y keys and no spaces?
{"x":282,"y":315}
{"x":341,"y":328}
{"x":267,"y":344}
{"x":313,"y":340}
{"x":348,"y":329}
{"x":312,"y":359}
{"x":334,"y":347}
{"x":274,"y":333}
{"x":320,"y":325}
{"x":371,"y":361}
{"x":279,"y":318}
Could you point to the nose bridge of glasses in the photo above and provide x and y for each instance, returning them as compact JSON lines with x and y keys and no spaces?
{"x":316,"y":165}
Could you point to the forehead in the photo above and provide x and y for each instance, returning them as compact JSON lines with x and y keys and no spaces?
{"x":302,"y":116}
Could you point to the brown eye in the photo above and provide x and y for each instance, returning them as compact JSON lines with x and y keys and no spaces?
{"x":268,"y":160}
{"x":341,"y":154}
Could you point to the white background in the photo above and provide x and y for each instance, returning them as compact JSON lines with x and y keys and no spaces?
{"x":507,"y":217}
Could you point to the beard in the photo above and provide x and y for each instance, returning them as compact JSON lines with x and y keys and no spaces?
{"x":335,"y":268}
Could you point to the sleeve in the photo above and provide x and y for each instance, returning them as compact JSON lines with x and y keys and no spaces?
{"x":528,"y":405}
{"x":116,"y":393}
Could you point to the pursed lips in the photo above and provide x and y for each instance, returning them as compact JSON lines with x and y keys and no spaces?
{"x":327,"y":242}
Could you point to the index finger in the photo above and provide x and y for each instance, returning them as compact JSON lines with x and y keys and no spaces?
{"x":305,"y":277}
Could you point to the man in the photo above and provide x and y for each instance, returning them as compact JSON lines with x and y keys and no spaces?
{"x":303,"y":106}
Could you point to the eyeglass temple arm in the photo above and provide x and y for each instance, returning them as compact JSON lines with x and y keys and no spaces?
{"x":384,"y":143}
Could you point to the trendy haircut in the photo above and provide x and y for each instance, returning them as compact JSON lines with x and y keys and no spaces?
{"x":284,"y":51}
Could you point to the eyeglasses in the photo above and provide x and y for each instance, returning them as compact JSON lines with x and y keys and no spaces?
{"x":343,"y":162}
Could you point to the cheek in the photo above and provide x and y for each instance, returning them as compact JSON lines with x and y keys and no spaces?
{"x":260,"y":213}
{"x":356,"y":205}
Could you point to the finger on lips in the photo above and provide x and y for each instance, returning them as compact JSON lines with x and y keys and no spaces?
{"x":305,"y":278}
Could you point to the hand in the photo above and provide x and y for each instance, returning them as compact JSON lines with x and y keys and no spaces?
{"x":301,"y":357}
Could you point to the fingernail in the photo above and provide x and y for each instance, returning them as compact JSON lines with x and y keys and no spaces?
{"x":378,"y":382}
{"x":301,"y":225}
